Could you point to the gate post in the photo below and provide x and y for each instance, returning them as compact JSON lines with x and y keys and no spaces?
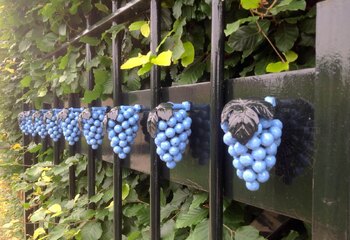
{"x":331,"y":188}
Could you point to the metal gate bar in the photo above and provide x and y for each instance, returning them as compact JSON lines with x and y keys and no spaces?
{"x":117,"y":101}
{"x":155,"y":100}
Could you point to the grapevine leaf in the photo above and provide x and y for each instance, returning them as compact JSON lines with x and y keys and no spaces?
{"x":291,"y":56}
{"x":243,"y":124}
{"x":163,"y":59}
{"x":285,"y":36}
{"x":188,"y":56}
{"x":145,"y":30}
{"x":152,"y":122}
{"x":91,"y":231}
{"x":250,"y":4}
{"x":277,"y":67}
{"x":165,"y":111}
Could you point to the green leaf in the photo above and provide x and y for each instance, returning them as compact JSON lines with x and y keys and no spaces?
{"x":125,"y":191}
{"x":101,"y":76}
{"x":291,"y":56}
{"x":178,"y":50}
{"x":64,"y":62}
{"x":91,"y":231}
{"x":90,"y":95}
{"x":136,"y":61}
{"x":248,"y":37}
{"x":145,"y":30}
{"x":25,"y":82}
{"x":55,"y":208}
{"x":250,"y":4}
{"x":198,"y":199}
{"x":101,"y":7}
{"x":115,"y":29}
{"x":38,"y":232}
{"x":233,"y":27}
{"x":167,"y":230}
{"x":145,"y":69}
{"x":24,"y":45}
{"x":135,"y":235}
{"x":34,"y":148}
{"x":135,"y":26}
{"x":247,"y":233}
{"x":277,"y":67}
{"x":42,"y":91}
{"x":293,"y":235}
{"x":201,"y":231}
{"x":192,"y":217}
{"x":288,"y":5}
{"x":285,"y":36}
{"x":191,"y":74}
{"x":47,"y":42}
{"x":62,"y":30}
{"x":74,"y":8}
{"x":163,"y":59}
{"x":93,"y":41}
{"x":177,"y":9}
{"x":188,"y":56}
{"x":38,"y":215}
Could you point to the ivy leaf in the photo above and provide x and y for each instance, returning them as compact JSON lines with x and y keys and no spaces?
{"x":233,"y":27}
{"x":136,"y":25}
{"x":188,"y":56}
{"x":285,"y":36}
{"x":277,"y":67}
{"x":136,"y":61}
{"x":101,"y":7}
{"x":152,"y":122}
{"x":291,"y":56}
{"x":25,"y":82}
{"x":145,"y":30}
{"x":288,"y":5}
{"x":192,"y":217}
{"x":163,"y":59}
{"x":250,"y":4}
{"x":93,"y":41}
{"x":247,"y":233}
{"x":91,"y":231}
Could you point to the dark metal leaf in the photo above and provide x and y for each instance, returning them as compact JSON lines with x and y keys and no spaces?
{"x":63,"y":114}
{"x":233,"y":105}
{"x":113,"y":114}
{"x":243,"y":124}
{"x":152,"y":122}
{"x":262,"y":108}
{"x":48,"y":115}
{"x":86,"y":113}
{"x":165,"y":111}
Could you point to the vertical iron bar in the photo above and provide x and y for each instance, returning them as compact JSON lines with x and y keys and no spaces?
{"x":117,"y":100}
{"x":155,"y":91}
{"x":27,"y":162}
{"x":216,"y":104}
{"x":73,"y":149}
{"x":91,"y":153}
{"x":57,"y":146}
{"x":45,"y":143}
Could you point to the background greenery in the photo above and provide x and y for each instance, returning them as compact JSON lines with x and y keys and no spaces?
{"x":261,"y":36}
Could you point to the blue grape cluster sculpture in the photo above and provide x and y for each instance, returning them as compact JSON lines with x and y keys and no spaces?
{"x":170,"y":130}
{"x":252,"y":136}
{"x":122,"y":126}
{"x":25,"y":122}
{"x":69,"y":124}
{"x":52,"y":125}
{"x":91,"y":122}
{"x":39,"y":124}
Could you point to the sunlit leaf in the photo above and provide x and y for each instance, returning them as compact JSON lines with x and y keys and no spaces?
{"x":291,"y":56}
{"x":250,"y":4}
{"x":188,"y":56}
{"x":136,"y":61}
{"x":163,"y":59}
{"x":136,"y":25}
{"x":277,"y":67}
{"x":145,"y":30}
{"x":39,"y":231}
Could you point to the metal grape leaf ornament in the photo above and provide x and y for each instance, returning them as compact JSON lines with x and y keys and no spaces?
{"x":63,"y":114}
{"x":162,"y":111}
{"x":85,"y":114}
{"x":36,"y":114}
{"x":48,"y":115}
{"x":243,"y":117}
{"x":112,"y":114}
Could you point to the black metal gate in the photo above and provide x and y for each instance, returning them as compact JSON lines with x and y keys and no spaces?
{"x":321,"y":196}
